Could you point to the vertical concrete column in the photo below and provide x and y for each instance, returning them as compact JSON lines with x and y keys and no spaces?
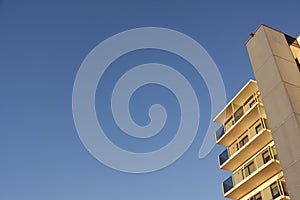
{"x":278,"y":79}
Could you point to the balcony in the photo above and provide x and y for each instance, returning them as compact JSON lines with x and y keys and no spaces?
{"x":276,"y":190}
{"x":247,"y":92}
{"x":252,"y":174}
{"x":250,"y":142}
{"x":227,"y":135}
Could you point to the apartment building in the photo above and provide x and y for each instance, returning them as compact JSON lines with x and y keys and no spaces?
{"x":250,"y":152}
{"x":260,"y":125}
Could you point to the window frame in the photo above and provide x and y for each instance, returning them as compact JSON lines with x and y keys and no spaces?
{"x":252,"y":103}
{"x":258,"y":128}
{"x":256,"y":197}
{"x":248,"y":169}
{"x":272,"y":187}
{"x":267,"y":158}
{"x":243,"y":141}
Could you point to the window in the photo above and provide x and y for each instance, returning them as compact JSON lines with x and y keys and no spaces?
{"x":252,"y":103}
{"x":243,"y":141}
{"x":256,"y":197}
{"x":266,"y":156}
{"x":274,"y":190}
{"x":239,"y":113}
{"x":258,"y":128}
{"x":249,"y":169}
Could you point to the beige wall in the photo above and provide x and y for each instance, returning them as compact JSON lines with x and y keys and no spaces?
{"x":278,"y":79}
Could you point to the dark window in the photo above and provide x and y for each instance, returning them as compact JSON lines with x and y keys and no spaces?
{"x":266,"y":156}
{"x":258,"y":128}
{"x":275,"y":190}
{"x":256,"y":197}
{"x":243,"y":141}
{"x":249,"y":169}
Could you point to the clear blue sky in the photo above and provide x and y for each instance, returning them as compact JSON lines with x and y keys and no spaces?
{"x":43,"y":43}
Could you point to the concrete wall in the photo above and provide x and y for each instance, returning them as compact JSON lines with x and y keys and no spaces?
{"x":278,"y":79}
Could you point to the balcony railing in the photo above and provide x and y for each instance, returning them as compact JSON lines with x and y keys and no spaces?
{"x":243,"y":140}
{"x":240,"y":111}
{"x":220,"y":132}
{"x":275,"y":190}
{"x":249,"y":103}
{"x":228,"y":184}
{"x":248,"y":169}
{"x":282,"y":188}
{"x":223,"y":157}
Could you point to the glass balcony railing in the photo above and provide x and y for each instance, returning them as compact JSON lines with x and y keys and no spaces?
{"x":250,"y":167}
{"x":273,"y":191}
{"x":249,"y":103}
{"x":228,"y":184}
{"x":245,"y":138}
{"x":223,"y":157}
{"x":239,"y":113}
{"x":220,"y":132}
